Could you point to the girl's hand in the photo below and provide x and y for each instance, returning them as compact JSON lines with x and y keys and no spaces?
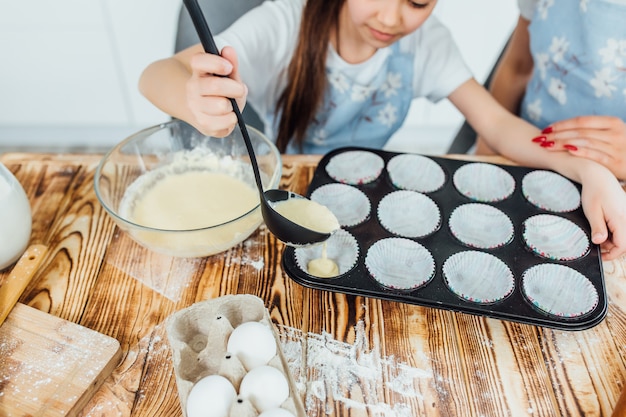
{"x":214,"y":80}
{"x":604,"y":204}
{"x":599,"y":138}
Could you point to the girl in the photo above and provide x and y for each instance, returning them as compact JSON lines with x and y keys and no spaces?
{"x":567,"y":61}
{"x":330,"y":73}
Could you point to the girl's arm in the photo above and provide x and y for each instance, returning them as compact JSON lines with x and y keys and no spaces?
{"x":195,"y":86}
{"x":512,"y":73}
{"x":603,"y":199}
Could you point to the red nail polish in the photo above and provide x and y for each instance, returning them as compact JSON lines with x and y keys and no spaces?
{"x":539,"y":139}
{"x":547,"y":144}
{"x":570,"y":147}
{"x":547,"y":130}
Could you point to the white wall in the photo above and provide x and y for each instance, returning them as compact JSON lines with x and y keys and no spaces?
{"x":70,"y":67}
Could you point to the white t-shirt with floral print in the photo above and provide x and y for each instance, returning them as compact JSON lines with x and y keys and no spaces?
{"x":265,"y":39}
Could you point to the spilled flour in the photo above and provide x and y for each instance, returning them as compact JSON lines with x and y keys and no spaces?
{"x":248,"y":257}
{"x":338,"y":379}
{"x":349,"y":376}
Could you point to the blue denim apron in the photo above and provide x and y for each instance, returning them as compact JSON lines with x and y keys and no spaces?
{"x":579,"y":50}
{"x":353,"y":114}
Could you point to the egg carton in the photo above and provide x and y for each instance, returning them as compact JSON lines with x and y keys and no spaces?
{"x":198,"y":337}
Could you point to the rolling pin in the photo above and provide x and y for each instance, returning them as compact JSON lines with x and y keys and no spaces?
{"x":19,"y":277}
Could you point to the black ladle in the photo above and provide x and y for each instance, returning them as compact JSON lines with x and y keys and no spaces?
{"x":284,"y":229}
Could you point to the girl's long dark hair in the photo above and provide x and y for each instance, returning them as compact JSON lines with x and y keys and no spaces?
{"x":306,"y":74}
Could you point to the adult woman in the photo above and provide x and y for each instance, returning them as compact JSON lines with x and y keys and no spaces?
{"x":564,"y":70}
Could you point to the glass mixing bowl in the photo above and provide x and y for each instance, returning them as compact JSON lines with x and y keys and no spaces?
{"x":131,"y":169}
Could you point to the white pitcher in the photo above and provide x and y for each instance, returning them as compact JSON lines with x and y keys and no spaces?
{"x":15,"y":218}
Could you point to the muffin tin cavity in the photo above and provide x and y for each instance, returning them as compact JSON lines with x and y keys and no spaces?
{"x":478,"y":277}
{"x":401,"y":169}
{"x":486,"y":183}
{"x":555,"y":238}
{"x":341,"y":248}
{"x":349,"y":204}
{"x":409,"y":214}
{"x":567,"y":292}
{"x":502,"y":241}
{"x":400,"y":264}
{"x":550,"y":191}
{"x":355,"y":167}
{"x":481,"y":226}
{"x":199,"y":338}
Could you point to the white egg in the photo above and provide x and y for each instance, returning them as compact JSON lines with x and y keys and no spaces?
{"x":212,"y":396}
{"x":253,"y":343}
{"x":276,"y":412}
{"x":265,"y":387}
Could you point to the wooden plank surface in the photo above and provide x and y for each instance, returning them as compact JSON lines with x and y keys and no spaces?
{"x":351,"y":355}
{"x":49,"y":366}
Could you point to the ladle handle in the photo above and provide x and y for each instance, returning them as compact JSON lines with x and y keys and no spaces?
{"x":208,"y":43}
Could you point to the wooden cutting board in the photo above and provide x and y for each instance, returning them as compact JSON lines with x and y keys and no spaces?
{"x":49,"y":366}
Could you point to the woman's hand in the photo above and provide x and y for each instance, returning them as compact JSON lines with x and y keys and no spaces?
{"x":214,"y":80}
{"x":604,"y":204}
{"x":599,"y":138}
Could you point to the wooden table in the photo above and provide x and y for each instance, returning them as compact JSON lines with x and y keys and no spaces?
{"x":365,"y":356}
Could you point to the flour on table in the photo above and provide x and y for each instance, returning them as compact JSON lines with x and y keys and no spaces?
{"x":247,"y":258}
{"x":337,"y":369}
{"x":334,"y":370}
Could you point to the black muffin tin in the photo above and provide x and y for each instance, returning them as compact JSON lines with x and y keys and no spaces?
{"x":442,"y":244}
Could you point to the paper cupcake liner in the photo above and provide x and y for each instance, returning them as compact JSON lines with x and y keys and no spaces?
{"x":349,"y":204}
{"x":550,"y":191}
{"x":400,"y":264}
{"x":478,"y":277}
{"x":559,"y":290}
{"x":480,"y":226}
{"x":416,"y":173}
{"x":409,"y":214}
{"x":483,"y":182}
{"x":355,"y":167}
{"x":555,"y":238}
{"x":342,"y":248}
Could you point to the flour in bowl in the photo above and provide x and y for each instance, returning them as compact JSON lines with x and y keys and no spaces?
{"x":193,"y":200}
{"x":195,"y":205}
